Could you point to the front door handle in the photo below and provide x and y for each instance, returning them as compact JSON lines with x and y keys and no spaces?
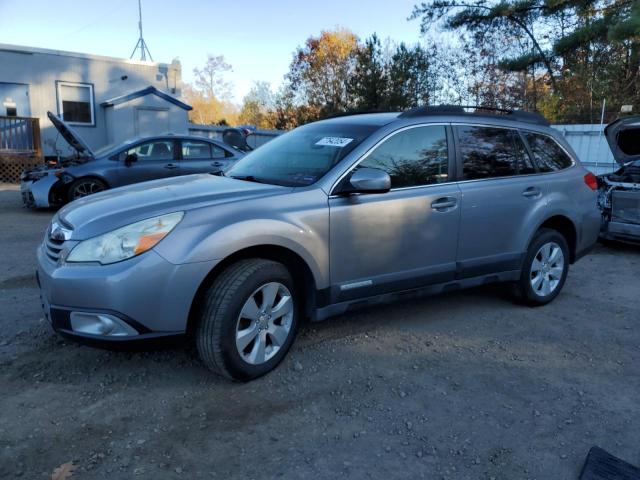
{"x":170,"y":166}
{"x":444,"y":203}
{"x":532,"y":192}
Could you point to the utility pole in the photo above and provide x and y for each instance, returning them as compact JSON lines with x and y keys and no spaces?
{"x":142,"y":45}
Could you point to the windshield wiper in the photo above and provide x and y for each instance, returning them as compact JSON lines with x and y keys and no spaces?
{"x":247,"y":178}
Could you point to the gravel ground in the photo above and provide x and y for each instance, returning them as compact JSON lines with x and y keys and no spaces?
{"x":466,"y":385}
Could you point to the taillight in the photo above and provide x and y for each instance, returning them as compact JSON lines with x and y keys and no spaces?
{"x":591,"y":181}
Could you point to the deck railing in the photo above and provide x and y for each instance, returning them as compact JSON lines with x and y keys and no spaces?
{"x":20,"y":135}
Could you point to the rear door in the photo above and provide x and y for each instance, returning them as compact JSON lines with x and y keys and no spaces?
{"x":200,"y":156}
{"x":502,"y":192}
{"x":153,"y":159}
{"x":404,"y":238}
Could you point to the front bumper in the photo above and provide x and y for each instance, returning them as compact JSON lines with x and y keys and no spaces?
{"x":148,"y":294}
{"x":38,"y":194}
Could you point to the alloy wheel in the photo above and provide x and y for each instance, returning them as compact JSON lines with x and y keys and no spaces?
{"x":85,"y":188}
{"x":264,"y":323}
{"x":547,"y":269}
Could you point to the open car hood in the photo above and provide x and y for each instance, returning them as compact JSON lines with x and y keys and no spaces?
{"x":623,"y":136}
{"x":70,"y":135}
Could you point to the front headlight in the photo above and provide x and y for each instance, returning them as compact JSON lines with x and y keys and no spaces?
{"x":125,"y":242}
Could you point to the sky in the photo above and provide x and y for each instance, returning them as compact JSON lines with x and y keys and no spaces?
{"x":257,"y":38}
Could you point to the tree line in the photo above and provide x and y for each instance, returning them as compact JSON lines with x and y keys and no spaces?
{"x":562,"y":58}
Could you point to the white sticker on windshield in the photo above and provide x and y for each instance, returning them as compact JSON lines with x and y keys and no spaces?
{"x":334,"y":141}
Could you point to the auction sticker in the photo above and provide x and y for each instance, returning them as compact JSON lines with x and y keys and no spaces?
{"x":334,"y":141}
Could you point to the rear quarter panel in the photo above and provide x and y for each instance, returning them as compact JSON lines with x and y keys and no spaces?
{"x":571,"y":197}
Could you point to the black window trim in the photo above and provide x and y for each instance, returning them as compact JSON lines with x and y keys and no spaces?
{"x":520,"y":131}
{"x":451,"y":152}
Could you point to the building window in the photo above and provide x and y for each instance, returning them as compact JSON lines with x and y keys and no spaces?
{"x":75,"y":103}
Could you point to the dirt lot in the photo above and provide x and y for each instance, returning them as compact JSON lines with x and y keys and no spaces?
{"x":468,"y":385}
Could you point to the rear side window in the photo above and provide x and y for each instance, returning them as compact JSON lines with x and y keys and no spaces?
{"x":416,"y":156}
{"x":195,"y":150}
{"x":549,"y":156}
{"x":487,"y":152}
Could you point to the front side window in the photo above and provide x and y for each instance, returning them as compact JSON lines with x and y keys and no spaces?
{"x":487,"y":152}
{"x":413,"y":157}
{"x":156,"y":150}
{"x":302,"y":156}
{"x":549,"y":156}
{"x":75,"y":103}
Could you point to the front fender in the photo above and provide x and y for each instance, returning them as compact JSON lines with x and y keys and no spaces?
{"x":189,"y":245}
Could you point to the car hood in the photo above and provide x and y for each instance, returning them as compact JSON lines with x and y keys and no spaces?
{"x":70,"y":135}
{"x":111,"y":209}
{"x":619,"y":135}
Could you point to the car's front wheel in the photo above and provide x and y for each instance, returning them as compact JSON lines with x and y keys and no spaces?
{"x":85,"y":186}
{"x":248,"y":319}
{"x":544,"y":269}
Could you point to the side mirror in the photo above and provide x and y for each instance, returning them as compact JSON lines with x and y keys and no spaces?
{"x":131,"y":158}
{"x":368,"y":180}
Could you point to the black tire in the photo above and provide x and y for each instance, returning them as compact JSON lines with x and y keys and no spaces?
{"x":83,"y":187}
{"x":220,"y":311}
{"x":523,"y":288}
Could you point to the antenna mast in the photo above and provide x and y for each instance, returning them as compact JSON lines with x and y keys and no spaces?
{"x":142,"y":45}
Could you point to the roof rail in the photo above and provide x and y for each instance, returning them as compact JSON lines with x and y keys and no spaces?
{"x":519,"y":115}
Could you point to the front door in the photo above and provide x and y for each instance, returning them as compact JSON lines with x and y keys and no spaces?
{"x":14,"y":100}
{"x":406,"y":237}
{"x":502,"y":195}
{"x":148,"y":161}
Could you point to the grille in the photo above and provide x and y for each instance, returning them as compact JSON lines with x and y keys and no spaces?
{"x":625,"y":206}
{"x":54,"y":240}
{"x":52,"y":247}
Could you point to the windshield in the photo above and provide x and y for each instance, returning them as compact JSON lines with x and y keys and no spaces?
{"x":100,"y":152}
{"x":302,"y":156}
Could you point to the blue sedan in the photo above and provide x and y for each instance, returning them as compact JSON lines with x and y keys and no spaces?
{"x":138,"y":160}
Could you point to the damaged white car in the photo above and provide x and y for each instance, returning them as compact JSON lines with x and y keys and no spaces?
{"x":619,"y":192}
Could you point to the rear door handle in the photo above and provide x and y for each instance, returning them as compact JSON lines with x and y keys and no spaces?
{"x":170,"y":166}
{"x":216,"y":164}
{"x":444,"y":203}
{"x":532,"y":192}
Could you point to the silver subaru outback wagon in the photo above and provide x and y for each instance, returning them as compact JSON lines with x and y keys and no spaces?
{"x":334,"y":215}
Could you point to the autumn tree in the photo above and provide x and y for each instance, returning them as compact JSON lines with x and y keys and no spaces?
{"x":258,"y":106}
{"x":320,"y":71}
{"x":566,"y":55}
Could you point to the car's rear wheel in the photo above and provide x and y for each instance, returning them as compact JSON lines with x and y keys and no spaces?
{"x":544,"y":269}
{"x":248,"y":319}
{"x":85,"y":186}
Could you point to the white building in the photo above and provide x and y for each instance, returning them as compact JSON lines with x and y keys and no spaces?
{"x":106,"y":99}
